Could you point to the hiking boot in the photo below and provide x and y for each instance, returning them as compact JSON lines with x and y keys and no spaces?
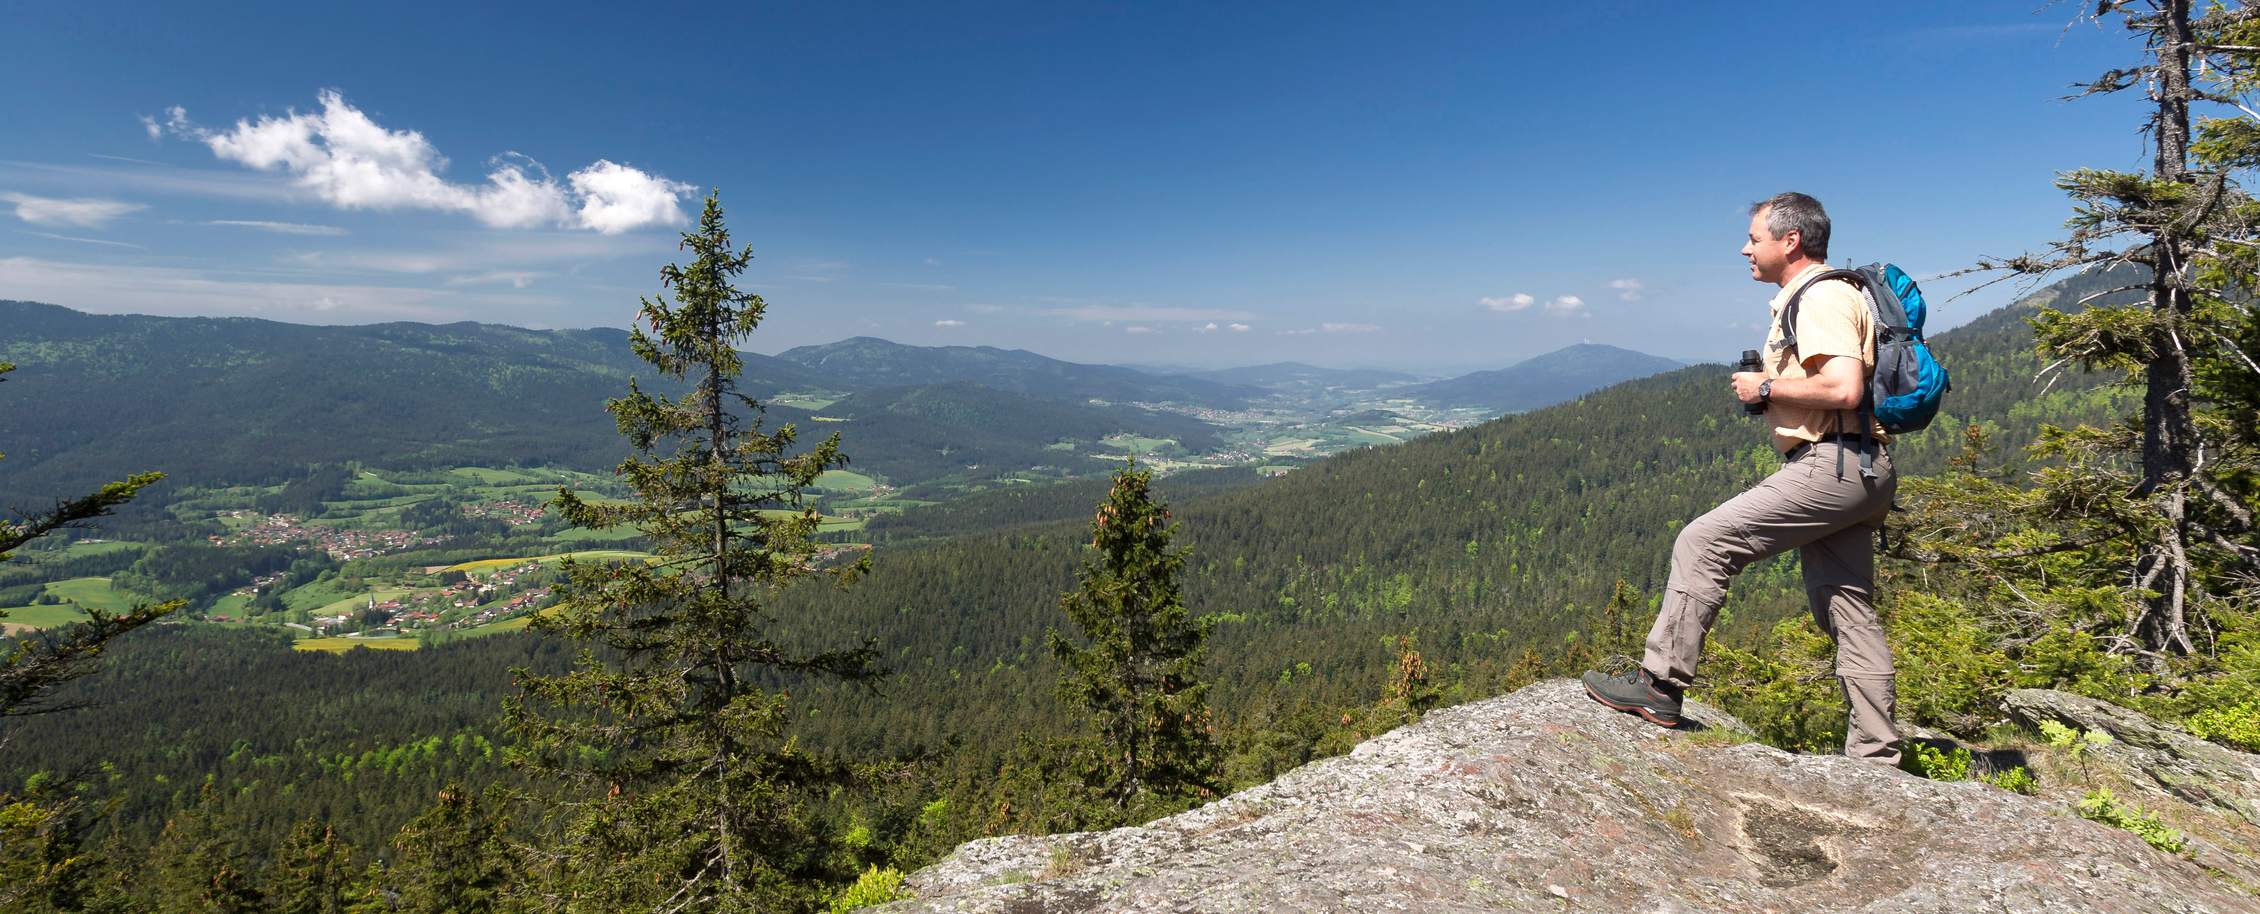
{"x":1637,"y":693}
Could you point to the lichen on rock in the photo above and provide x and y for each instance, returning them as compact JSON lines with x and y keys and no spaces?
{"x":1543,"y":801}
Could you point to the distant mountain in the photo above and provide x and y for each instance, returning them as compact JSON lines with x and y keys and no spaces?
{"x":240,"y":400}
{"x":1296,"y":376}
{"x":1556,"y":377}
{"x":868,"y":362}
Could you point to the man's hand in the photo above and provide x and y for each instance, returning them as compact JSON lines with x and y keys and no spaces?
{"x":1746,"y":385}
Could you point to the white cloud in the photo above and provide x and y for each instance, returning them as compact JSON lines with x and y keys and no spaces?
{"x":516,"y":279}
{"x":616,"y":198}
{"x":946,"y":324}
{"x":82,"y":212}
{"x":1238,"y":328}
{"x":1349,"y":328}
{"x":984,"y":309}
{"x":1104,"y":313}
{"x":1509,"y":304}
{"x":280,"y":228}
{"x":1209,"y":327}
{"x":1303,"y":332}
{"x":1627,"y":289}
{"x":348,"y":160}
{"x":1566,"y":306}
{"x":1139,"y":329}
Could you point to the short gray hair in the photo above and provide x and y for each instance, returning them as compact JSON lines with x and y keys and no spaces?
{"x":1800,"y":213}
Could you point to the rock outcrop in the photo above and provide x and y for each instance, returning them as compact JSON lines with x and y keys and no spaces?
{"x":2164,"y":758}
{"x":1542,"y":801}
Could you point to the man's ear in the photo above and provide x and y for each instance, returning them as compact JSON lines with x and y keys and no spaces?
{"x":1796,"y":238}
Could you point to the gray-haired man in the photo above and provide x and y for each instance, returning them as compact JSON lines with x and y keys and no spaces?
{"x":1812,"y":392}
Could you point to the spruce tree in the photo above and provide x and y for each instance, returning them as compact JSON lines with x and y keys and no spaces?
{"x":451,"y":860}
{"x":312,"y":872}
{"x":675,"y":787}
{"x":2152,"y":506}
{"x":2127,"y":564}
{"x":1137,"y":672}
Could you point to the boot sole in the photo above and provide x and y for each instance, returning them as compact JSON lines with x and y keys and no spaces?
{"x":1642,"y":710}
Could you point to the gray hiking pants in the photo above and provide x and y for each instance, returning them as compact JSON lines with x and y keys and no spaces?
{"x":1831,"y":521}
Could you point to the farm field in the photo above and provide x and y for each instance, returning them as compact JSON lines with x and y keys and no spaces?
{"x":92,"y":593}
{"x":38,"y":617}
{"x":340,"y":645}
{"x":485,"y":565}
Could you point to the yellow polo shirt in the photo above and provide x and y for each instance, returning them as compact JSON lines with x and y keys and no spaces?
{"x":1832,"y":319}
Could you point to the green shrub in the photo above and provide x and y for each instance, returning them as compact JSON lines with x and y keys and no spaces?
{"x":875,"y":887}
{"x":1936,"y":764}
{"x":2238,"y":727}
{"x":2015,"y":780}
{"x":2101,"y":806}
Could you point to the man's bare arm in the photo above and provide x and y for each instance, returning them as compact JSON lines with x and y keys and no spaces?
{"x":1838,"y":384}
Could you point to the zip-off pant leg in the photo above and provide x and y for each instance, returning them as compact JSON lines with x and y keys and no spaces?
{"x":1805,"y":505}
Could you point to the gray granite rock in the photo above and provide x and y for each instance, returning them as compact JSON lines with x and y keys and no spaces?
{"x":2144,"y":749}
{"x":1542,"y":801}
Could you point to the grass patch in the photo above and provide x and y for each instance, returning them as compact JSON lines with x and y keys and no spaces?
{"x":30,"y":617}
{"x":79,"y":550}
{"x":319,"y":593}
{"x":847,"y":481}
{"x":93,"y":593}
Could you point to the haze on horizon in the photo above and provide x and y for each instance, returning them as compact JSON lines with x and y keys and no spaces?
{"x":1460,"y":188}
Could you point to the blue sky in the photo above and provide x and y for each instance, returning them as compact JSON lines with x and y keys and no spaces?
{"x":1431,"y":186}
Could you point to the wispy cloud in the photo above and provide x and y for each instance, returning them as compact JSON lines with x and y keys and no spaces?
{"x":1209,"y":327}
{"x":516,"y":279}
{"x":1509,"y":304}
{"x":482,"y":253}
{"x":80,"y":212}
{"x":280,"y":228}
{"x":348,"y":160}
{"x":949,"y":323}
{"x":922,"y":286}
{"x":1139,"y":329}
{"x":168,"y":290}
{"x":1350,"y":328}
{"x":1627,"y":289}
{"x":105,"y":243}
{"x":1238,"y":328}
{"x":1103,"y":313}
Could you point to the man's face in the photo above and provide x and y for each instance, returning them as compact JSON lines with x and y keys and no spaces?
{"x":1769,"y":256}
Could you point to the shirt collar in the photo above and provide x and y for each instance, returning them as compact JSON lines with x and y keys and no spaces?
{"x":1781,"y":298}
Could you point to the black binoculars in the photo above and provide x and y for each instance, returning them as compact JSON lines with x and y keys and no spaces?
{"x":1750,"y":362}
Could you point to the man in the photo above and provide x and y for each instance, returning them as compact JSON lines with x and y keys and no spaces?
{"x":1825,"y":501}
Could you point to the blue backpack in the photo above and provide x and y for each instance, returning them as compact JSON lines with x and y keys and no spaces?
{"x":1909,"y":383}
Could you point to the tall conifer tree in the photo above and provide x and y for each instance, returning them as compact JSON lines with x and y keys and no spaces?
{"x":1138,"y":672}
{"x":679,"y":789}
{"x":2149,"y":498}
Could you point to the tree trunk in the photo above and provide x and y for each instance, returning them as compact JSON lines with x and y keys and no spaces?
{"x":2169,"y":441}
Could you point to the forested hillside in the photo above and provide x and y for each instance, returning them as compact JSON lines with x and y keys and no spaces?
{"x":1495,"y":546}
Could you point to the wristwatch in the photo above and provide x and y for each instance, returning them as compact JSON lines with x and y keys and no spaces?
{"x":1765,"y":391}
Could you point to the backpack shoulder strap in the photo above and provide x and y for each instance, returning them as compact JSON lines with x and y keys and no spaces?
{"x":1789,"y":311}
